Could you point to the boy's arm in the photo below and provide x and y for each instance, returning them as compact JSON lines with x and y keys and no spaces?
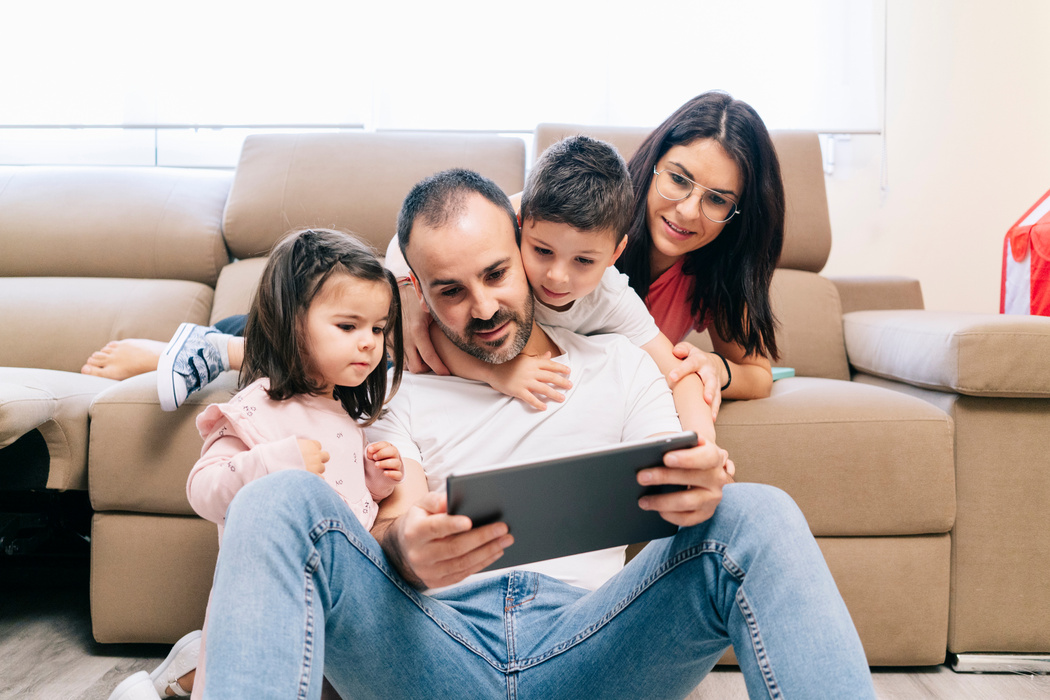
{"x":525,"y":377}
{"x":693,"y":411}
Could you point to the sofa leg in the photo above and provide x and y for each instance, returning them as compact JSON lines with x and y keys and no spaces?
{"x":1000,"y":663}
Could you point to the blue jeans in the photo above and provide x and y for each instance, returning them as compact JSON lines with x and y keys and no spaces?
{"x":301,"y":588}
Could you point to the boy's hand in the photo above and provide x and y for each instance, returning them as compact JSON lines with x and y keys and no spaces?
{"x":387,"y":460}
{"x":420,"y":355}
{"x":527,"y":377}
{"x":313,"y":456}
{"x":707,"y":366}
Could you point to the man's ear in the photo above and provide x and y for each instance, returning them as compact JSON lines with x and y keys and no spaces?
{"x":619,"y":251}
{"x":419,"y":292}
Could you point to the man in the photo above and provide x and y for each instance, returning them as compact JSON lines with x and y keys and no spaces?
{"x":743,"y":569}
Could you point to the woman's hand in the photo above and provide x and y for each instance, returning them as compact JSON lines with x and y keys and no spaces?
{"x":709,"y":368}
{"x":313,"y":456}
{"x":420,"y":355}
{"x":528,"y":378}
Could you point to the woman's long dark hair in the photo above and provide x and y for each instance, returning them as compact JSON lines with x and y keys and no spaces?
{"x":274,"y":335}
{"x":732,"y":274}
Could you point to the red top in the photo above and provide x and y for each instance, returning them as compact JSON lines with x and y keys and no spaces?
{"x":669,"y":301}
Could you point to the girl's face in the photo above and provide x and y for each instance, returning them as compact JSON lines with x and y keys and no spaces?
{"x":344,"y":329}
{"x":680,"y":227}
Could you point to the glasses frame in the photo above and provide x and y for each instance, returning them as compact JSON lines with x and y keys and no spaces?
{"x":695,"y":184}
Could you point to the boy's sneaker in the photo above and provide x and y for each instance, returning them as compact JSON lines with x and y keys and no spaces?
{"x":189,"y":362}
{"x":137,"y":686}
{"x":181,"y":660}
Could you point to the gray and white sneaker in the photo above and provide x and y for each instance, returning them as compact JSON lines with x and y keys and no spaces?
{"x":189,"y":362}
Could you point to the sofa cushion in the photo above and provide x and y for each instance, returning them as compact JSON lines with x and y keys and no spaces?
{"x":966,"y":353}
{"x":350,"y":181}
{"x":112,"y":222}
{"x":140,"y":456}
{"x":859,"y":460}
{"x":56,"y":404}
{"x":57,"y":322}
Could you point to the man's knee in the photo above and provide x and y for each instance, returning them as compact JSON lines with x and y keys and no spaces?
{"x":287,"y":492}
{"x":762,"y":507}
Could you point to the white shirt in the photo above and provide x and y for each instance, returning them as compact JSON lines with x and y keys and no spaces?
{"x":448,"y":423}
{"x":613,"y":307}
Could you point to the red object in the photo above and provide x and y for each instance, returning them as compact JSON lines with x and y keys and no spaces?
{"x":1026,"y":263}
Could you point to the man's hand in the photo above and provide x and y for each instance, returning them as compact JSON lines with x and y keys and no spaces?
{"x":432,"y":548}
{"x":707,"y":366}
{"x":420,"y":355}
{"x":528,"y":378}
{"x":704,"y":469}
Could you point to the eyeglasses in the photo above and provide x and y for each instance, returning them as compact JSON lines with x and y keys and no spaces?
{"x":716,"y":206}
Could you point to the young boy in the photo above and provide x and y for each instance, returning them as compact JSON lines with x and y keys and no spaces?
{"x":574,"y":213}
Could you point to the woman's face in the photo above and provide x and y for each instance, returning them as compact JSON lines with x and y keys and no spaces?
{"x":679,"y":227}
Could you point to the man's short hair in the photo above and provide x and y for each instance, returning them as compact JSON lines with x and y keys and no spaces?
{"x":582,"y":182}
{"x":439,"y":198}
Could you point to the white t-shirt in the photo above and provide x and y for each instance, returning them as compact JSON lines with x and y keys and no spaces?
{"x":613,"y":307}
{"x":445,"y":423}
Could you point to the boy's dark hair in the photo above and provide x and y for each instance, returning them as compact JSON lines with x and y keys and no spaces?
{"x":732,"y":274}
{"x":440,"y":197}
{"x":274,"y":336}
{"x":582,"y":182}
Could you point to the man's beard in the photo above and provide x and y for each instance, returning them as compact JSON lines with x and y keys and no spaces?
{"x":509,"y":349}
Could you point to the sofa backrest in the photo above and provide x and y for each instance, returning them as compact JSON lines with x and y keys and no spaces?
{"x":89,"y":255}
{"x":349,"y":181}
{"x":806,"y":304}
{"x":148,"y":223}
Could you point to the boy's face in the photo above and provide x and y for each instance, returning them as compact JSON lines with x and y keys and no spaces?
{"x":564,"y":264}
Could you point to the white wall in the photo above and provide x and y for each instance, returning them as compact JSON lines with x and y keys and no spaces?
{"x":968,"y":149}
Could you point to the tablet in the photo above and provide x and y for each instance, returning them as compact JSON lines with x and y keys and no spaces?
{"x":572,"y":504}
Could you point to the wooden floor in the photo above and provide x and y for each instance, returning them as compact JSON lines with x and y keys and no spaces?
{"x":47,"y":652}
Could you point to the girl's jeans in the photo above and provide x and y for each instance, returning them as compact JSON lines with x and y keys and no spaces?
{"x":302,"y":589}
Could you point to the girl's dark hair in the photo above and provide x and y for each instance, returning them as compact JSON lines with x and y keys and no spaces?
{"x":274,"y":336}
{"x":732,"y":274}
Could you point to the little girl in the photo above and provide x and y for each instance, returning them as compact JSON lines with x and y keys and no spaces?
{"x":313,"y":375}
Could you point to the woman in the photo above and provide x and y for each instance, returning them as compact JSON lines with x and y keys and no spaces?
{"x":706,"y":236}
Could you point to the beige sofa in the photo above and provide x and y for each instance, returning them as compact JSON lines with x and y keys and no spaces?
{"x":873,"y":468}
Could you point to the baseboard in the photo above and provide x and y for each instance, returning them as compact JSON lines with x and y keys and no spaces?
{"x":1000,"y":663}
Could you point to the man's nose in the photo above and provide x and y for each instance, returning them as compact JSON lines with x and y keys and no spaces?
{"x":485,"y":307}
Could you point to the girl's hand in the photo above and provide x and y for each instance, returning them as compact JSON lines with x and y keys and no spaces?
{"x":313,"y":456}
{"x":420,"y":355}
{"x":707,"y":366}
{"x":527,"y":377}
{"x":387,"y":460}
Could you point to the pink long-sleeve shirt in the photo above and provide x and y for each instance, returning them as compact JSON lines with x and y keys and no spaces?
{"x":252,"y":436}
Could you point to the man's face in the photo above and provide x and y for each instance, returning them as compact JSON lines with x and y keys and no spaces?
{"x":470,"y":274}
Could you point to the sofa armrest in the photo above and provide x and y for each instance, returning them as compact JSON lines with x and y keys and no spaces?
{"x":965,"y":353}
{"x":878,"y":293}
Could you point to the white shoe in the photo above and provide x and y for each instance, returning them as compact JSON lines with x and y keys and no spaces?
{"x":181,"y":660}
{"x":137,"y":686}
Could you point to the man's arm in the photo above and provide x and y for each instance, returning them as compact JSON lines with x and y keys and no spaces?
{"x":427,"y":546}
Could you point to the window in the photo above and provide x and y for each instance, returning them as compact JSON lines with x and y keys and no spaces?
{"x":183,"y":83}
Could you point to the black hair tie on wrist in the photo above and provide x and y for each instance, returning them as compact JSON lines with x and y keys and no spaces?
{"x":729,"y":372}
